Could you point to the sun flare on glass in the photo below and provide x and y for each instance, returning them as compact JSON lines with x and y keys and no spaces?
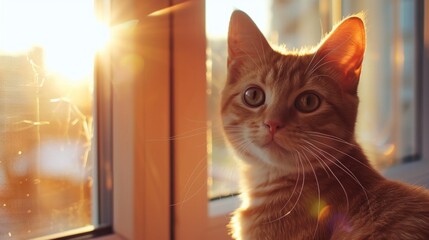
{"x":67,"y":32}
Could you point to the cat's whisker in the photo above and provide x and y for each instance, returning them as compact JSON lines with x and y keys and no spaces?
{"x":311,"y":61}
{"x":342,"y":152}
{"x":186,"y":199}
{"x":344,"y":168}
{"x":233,"y":130}
{"x":191,"y":176}
{"x":241,"y":145}
{"x":320,"y":160}
{"x":318,"y":194}
{"x":249,"y":56}
{"x":321,"y":64}
{"x":301,"y":166}
{"x":336,"y":162}
{"x":318,"y":65}
{"x":262,"y":58}
{"x":323,"y":152}
{"x":261,"y":42}
{"x":301,"y":190}
{"x":292,"y":193}
{"x":190,"y":182}
{"x":330,"y":137}
{"x":189,"y":134}
{"x":197,"y":171}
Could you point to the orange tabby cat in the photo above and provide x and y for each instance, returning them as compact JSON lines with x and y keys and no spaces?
{"x":291,"y":118}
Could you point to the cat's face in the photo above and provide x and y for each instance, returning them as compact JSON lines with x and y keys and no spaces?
{"x":278,"y":107}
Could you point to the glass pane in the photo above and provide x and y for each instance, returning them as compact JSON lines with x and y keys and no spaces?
{"x":386,"y":125}
{"x":387,"y":114}
{"x":47,"y":106}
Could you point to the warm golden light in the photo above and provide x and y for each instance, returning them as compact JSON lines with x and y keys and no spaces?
{"x":68,"y":33}
{"x":47,"y":59}
{"x":390,"y":150}
{"x":170,"y":9}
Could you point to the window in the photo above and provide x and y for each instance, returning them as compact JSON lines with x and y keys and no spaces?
{"x":50,"y":126}
{"x":159,"y":114}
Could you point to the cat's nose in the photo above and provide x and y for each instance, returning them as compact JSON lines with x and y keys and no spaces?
{"x":273,"y":125}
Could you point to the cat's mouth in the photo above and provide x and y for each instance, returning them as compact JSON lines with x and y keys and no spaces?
{"x":271,"y":144}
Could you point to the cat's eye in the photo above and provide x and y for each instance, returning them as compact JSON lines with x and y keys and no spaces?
{"x":307,"y":102}
{"x":254,"y":96}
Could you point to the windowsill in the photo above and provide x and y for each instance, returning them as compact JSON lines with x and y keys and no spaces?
{"x":223,"y":206}
{"x":415,"y":173}
{"x":110,"y":237}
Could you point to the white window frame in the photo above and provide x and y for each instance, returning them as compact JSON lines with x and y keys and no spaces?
{"x":152,"y":175}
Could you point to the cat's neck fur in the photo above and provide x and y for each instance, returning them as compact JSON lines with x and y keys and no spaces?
{"x":292,"y":200}
{"x":351,"y":168}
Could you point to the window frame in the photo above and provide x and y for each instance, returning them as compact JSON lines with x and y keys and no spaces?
{"x":140,"y":118}
{"x":143,"y":211}
{"x":158,"y":170}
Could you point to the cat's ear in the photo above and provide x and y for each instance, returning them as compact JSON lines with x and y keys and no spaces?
{"x":343,"y":50}
{"x":245,"y":40}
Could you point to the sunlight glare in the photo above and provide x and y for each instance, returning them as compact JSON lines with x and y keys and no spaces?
{"x":169,"y":10}
{"x":67,"y":31}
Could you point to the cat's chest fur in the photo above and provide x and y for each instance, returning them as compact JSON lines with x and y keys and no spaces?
{"x":374,"y":208}
{"x":299,"y":207}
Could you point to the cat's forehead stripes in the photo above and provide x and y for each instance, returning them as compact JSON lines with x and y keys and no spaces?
{"x":287,"y":75}
{"x":269,"y":76}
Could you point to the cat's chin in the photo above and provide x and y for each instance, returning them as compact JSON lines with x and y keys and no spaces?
{"x":276,"y":148}
{"x":273,"y":155}
{"x":271,"y":144}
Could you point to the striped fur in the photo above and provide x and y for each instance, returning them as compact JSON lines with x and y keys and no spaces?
{"x":305,"y":177}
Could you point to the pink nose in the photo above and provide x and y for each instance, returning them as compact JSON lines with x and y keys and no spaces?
{"x":273,"y":125}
